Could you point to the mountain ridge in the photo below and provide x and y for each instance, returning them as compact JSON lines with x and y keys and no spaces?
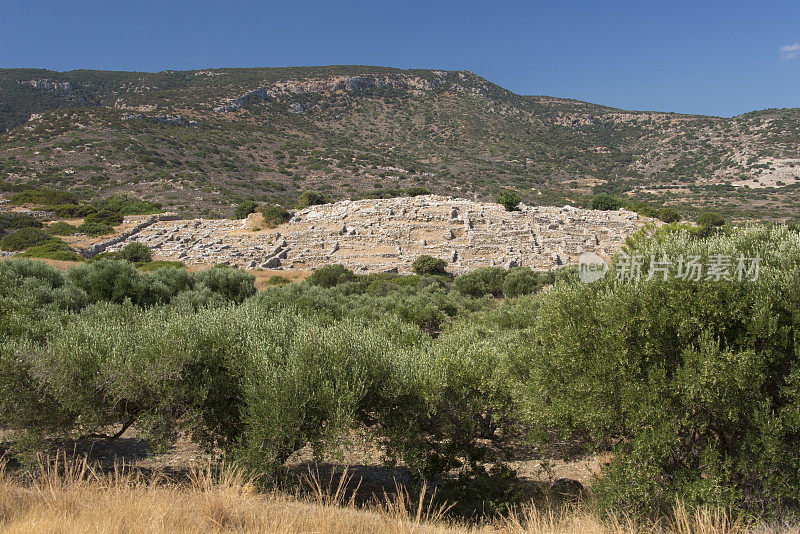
{"x":202,"y":140}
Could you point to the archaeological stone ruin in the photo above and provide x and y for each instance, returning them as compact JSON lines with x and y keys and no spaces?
{"x":387,"y":235}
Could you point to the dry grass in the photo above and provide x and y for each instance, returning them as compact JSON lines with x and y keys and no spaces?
{"x":72,"y":497}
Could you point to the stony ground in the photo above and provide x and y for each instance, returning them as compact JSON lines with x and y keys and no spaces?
{"x":389,"y":234}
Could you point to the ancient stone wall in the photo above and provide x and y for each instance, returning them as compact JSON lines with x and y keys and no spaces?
{"x":389,"y":234}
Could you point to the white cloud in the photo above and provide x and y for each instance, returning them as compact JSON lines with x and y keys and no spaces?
{"x":790,"y":51}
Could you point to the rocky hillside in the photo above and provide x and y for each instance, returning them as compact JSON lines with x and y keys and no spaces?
{"x":198,"y":142}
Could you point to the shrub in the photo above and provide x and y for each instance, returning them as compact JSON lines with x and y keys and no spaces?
{"x":481,"y":281}
{"x":52,"y":250}
{"x":136,"y":253}
{"x":312,"y":198}
{"x":417,"y":191}
{"x":275,"y":215}
{"x":104,"y":216}
{"x":331,"y":275}
{"x":110,"y":280}
{"x":524,"y":281}
{"x":508,"y":199}
{"x":244,"y":209}
{"x":61,"y":228}
{"x":25,"y":238}
{"x":606,"y":202}
{"x":14,"y":221}
{"x":43,"y":197}
{"x":429,"y":265}
{"x":232,"y":284}
{"x":669,"y":215}
{"x":95,"y":229}
{"x":710,"y":220}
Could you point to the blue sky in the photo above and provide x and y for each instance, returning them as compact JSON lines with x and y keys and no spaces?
{"x":714,"y":57}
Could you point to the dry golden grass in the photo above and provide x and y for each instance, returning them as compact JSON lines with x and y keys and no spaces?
{"x":72,"y":497}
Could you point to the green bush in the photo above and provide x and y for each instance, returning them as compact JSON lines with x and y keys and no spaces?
{"x":232,"y":284}
{"x":62,"y":228}
{"x":691,"y":384}
{"x":136,"y":253}
{"x":311,"y":198}
{"x":25,"y":238}
{"x":52,"y":250}
{"x":95,"y":229}
{"x":275,"y":215}
{"x":606,"y":202}
{"x":417,"y":191}
{"x":43,"y":197}
{"x":669,"y":215}
{"x":522,"y":281}
{"x":244,"y":209}
{"x":331,"y":275}
{"x":481,"y":281}
{"x":429,"y":265}
{"x":14,"y":221}
{"x":508,"y":199}
{"x":710,"y":220}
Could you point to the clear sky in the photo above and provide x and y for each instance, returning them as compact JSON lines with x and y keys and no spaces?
{"x":712,"y":57}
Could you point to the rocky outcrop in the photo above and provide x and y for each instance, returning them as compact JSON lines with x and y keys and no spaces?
{"x":237,"y":103}
{"x":341,"y":84}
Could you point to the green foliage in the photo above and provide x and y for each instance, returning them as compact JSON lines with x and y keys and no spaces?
{"x":522,"y":281}
{"x":710,"y":220}
{"x":691,"y":384}
{"x":331,"y":275}
{"x":482,"y":281}
{"x":43,"y":197}
{"x":136,"y":253}
{"x":244,"y":209}
{"x":508,"y":199}
{"x":311,"y":198}
{"x":417,"y":191}
{"x":606,"y":202}
{"x":11,"y":221}
{"x":25,"y":238}
{"x":62,"y":228}
{"x":275,"y":215}
{"x":52,"y":250}
{"x":95,"y":229}
{"x":231,"y":284}
{"x":429,"y":265}
{"x":669,"y":215}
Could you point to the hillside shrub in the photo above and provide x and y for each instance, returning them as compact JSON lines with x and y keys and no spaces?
{"x":136,"y":253}
{"x":522,"y":281}
{"x":417,"y":191}
{"x":14,"y":221}
{"x":231,"y":284}
{"x":606,"y":202}
{"x":331,"y":275}
{"x":481,"y":281}
{"x":25,"y":238}
{"x":275,"y":215}
{"x":424,"y":265}
{"x":508,"y":199}
{"x":62,"y":228}
{"x":669,"y":215}
{"x":311,"y":198}
{"x":243,"y":209}
{"x":52,"y":250}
